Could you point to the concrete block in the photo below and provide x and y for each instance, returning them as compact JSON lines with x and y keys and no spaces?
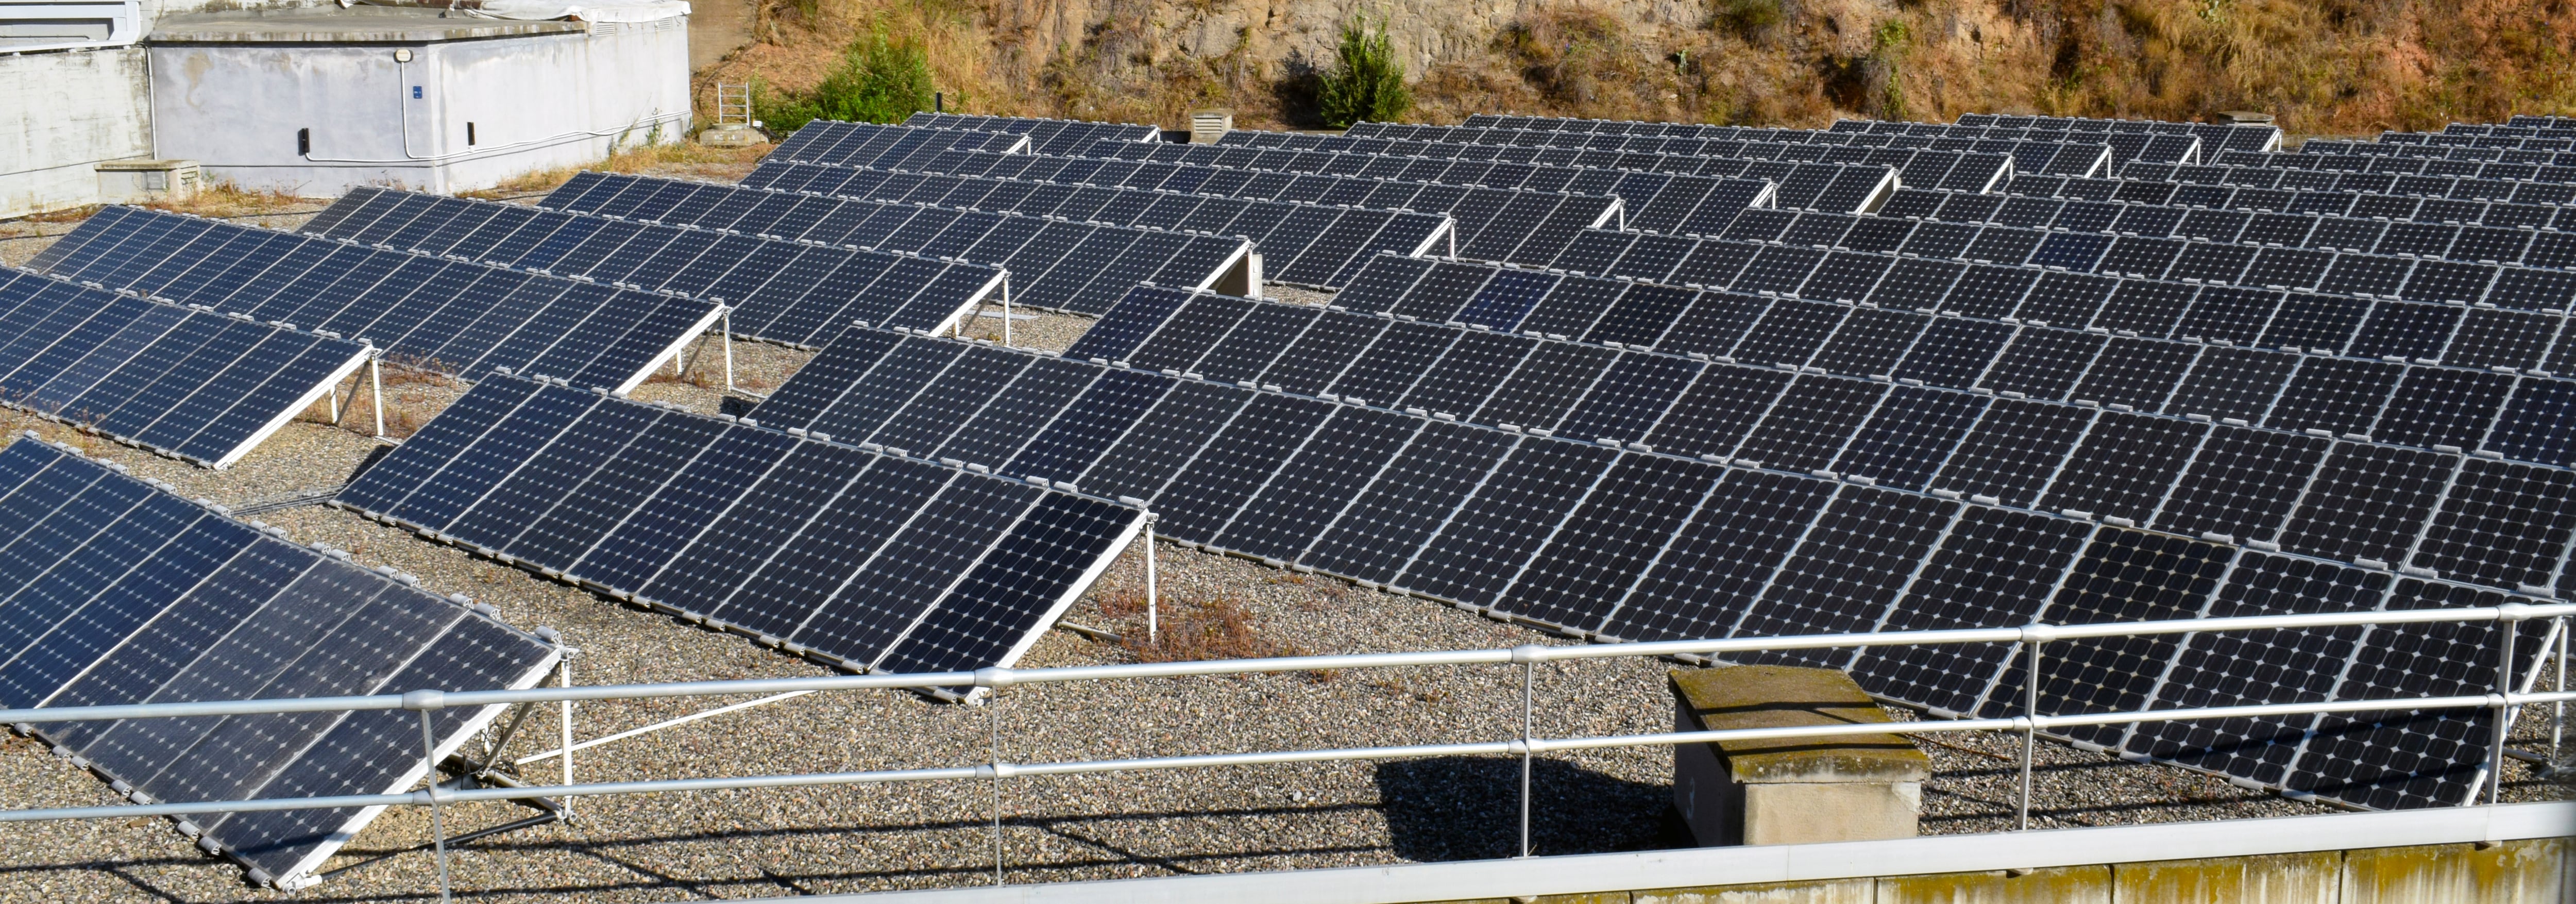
{"x":729,"y":137}
{"x":2533,"y":871}
{"x":1790,"y":791}
{"x":2309,"y":878}
{"x":143,"y":181}
{"x":2055,"y":885}
{"x":1835,"y":891}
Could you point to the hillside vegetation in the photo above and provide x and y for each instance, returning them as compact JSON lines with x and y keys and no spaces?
{"x":2321,"y":66}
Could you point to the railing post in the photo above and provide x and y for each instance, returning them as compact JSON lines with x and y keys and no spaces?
{"x":2558,"y":717}
{"x":993,"y":719}
{"x":437,"y":814}
{"x":1529,"y":680}
{"x":564,"y":668}
{"x":2507,"y":627}
{"x":2031,"y":639}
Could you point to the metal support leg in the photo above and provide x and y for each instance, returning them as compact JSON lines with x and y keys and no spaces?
{"x":335,"y":404}
{"x":376,"y":385}
{"x":2029,"y":735}
{"x":2505,"y":632}
{"x":437,"y":813}
{"x":1006,"y":312}
{"x":2558,"y":717}
{"x":724,"y":327}
{"x":1529,"y":680}
{"x":1153,"y":604}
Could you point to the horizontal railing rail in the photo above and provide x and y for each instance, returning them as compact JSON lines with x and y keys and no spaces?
{"x":2035,"y":637}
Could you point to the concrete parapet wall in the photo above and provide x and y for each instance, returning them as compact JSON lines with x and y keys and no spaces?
{"x":60,"y":114}
{"x":2530,"y":871}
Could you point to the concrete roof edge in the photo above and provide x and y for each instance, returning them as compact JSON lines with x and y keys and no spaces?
{"x":1579,"y":874}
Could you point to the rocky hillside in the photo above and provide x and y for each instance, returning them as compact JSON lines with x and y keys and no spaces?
{"x":2322,"y":66}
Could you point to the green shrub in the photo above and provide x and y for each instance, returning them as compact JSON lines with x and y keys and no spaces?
{"x":1368,"y":82}
{"x":878,"y":81}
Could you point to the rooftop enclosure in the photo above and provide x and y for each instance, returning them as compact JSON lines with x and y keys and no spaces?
{"x":317,"y":101}
{"x":313,"y":100}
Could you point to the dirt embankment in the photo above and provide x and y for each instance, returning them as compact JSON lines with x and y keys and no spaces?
{"x":2323,"y":66}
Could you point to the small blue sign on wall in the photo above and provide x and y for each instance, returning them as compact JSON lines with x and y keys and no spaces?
{"x":415,"y":92}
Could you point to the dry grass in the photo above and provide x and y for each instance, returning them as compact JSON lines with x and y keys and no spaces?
{"x":2322,"y":66}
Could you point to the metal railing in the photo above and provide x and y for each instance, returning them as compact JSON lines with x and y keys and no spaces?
{"x":2503,"y":700}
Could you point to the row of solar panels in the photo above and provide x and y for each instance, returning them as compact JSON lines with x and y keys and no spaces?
{"x":2508,"y":171}
{"x":869,"y":144}
{"x":1300,"y":243}
{"x":2133,"y":346}
{"x":1333,"y":217}
{"x":447,"y":315}
{"x":2145,"y":183}
{"x":188,"y":382}
{"x":1052,"y":263}
{"x":2494,"y":244}
{"x":1619,"y":541}
{"x":2463,"y":188}
{"x":1384,"y":137}
{"x":2031,"y":157}
{"x":1046,"y":136}
{"x":2519,"y":145}
{"x":123,"y":592}
{"x":2246,"y":137}
{"x":1762,"y":254}
{"x":854,"y":556}
{"x":1849,"y":186}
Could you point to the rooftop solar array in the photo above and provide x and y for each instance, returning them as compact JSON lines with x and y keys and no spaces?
{"x":421,"y":310}
{"x":186,"y":382}
{"x":1053,"y":263}
{"x":1046,"y":136}
{"x":2549,"y":169}
{"x":1811,"y":237}
{"x":852,"y":555}
{"x":1305,"y":244}
{"x":1625,"y":494}
{"x":121,"y":591}
{"x":889,"y":147}
{"x":779,"y":291}
{"x":2216,"y":136}
{"x":2440,"y":241}
{"x":2343,"y":194}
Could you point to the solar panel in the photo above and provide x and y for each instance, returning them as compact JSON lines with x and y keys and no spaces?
{"x":1332,"y":480}
{"x":780,"y":291}
{"x":820,"y":544}
{"x":1315,"y":253}
{"x":1046,"y":136}
{"x":130,"y":593}
{"x":1060,"y":264}
{"x":188,"y":383}
{"x":420,"y":310}
{"x":870,"y":144}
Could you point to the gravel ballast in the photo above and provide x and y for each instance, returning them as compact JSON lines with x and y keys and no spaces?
{"x":874,"y":837}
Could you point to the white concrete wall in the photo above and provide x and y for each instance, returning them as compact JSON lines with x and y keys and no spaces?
{"x":61,"y":113}
{"x":537,"y":102}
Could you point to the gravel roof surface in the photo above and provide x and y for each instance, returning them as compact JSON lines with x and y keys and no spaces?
{"x":838,"y":839}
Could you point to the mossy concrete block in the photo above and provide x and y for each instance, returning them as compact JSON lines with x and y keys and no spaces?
{"x":1831,"y":891}
{"x":2534,"y":871}
{"x":1796,"y":790}
{"x":2054,"y":885}
{"x":2309,"y":878}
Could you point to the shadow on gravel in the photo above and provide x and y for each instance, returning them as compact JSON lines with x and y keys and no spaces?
{"x":1468,"y":808}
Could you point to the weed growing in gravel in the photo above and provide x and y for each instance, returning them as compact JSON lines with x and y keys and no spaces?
{"x":1193,"y":629}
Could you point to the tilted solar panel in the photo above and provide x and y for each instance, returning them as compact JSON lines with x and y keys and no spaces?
{"x":188,"y":383}
{"x":1303,"y":254}
{"x":1053,"y":263}
{"x":422,"y":310}
{"x":1046,"y":136}
{"x":862,"y":557}
{"x":779,"y":291}
{"x":1378,"y":449}
{"x":890,"y":147}
{"x":133,"y":594}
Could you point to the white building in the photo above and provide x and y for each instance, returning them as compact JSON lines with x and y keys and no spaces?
{"x":314,"y":99}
